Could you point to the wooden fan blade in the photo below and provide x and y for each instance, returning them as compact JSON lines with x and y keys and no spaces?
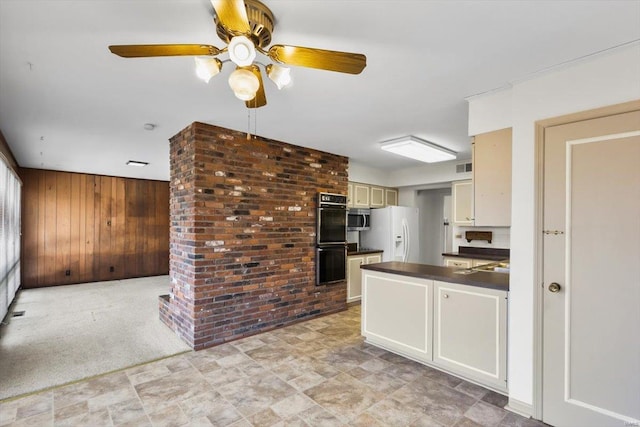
{"x":343,"y":62}
{"x":145,"y":50}
{"x":232,"y":15}
{"x":261,"y":99}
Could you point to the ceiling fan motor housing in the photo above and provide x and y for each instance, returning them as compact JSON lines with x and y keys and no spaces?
{"x":261,"y":22}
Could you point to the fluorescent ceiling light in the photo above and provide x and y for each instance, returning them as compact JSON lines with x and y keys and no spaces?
{"x":418,"y":149}
{"x":137,"y":163}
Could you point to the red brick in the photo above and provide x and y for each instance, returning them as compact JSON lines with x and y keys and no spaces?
{"x":235,"y":204}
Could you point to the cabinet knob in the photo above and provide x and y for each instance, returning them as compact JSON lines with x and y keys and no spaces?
{"x":554,"y":287}
{"x":445,"y":295}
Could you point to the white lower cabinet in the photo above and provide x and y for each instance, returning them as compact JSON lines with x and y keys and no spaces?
{"x":373,"y":258}
{"x":396,"y":313}
{"x":354,"y":274}
{"x":457,"y":328}
{"x":470,"y":334}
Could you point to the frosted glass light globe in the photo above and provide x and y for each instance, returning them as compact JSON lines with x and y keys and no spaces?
{"x":244,"y":84}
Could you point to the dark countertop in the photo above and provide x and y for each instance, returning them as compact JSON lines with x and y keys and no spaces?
{"x":483,"y":279}
{"x":489,"y":254}
{"x":364,"y":251}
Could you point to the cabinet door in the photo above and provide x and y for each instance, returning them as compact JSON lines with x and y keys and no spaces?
{"x":349,"y":195}
{"x":492,"y":178}
{"x":470,"y":332}
{"x":462,"y":202}
{"x":354,"y":278}
{"x":377,"y":197}
{"x":373,"y":259}
{"x":396,"y":313}
{"x":391,"y":197}
{"x":361,"y":196}
{"x":458,"y":262}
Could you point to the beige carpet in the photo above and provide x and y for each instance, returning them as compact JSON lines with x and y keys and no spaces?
{"x":72,"y":332}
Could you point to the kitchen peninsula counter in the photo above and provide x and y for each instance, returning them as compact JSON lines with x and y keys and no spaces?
{"x":364,"y":251}
{"x":450,"y":321}
{"x":484,"y":279}
{"x":489,"y":254}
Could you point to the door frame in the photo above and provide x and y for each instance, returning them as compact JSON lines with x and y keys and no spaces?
{"x":538,"y":321}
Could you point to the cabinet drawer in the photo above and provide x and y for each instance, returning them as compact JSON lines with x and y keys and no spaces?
{"x":458,"y":262}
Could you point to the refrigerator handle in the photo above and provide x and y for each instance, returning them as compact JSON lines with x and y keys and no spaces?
{"x":405,"y":231}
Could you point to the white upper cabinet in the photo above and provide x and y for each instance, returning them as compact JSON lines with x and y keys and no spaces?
{"x":377,"y":197}
{"x":462,"y":192}
{"x":370,"y":196}
{"x":349,"y":195}
{"x":391,"y":197}
{"x":492,"y":179}
{"x":360,"y":195}
{"x":485,"y":201}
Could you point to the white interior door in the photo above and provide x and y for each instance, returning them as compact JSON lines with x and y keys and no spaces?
{"x":591,"y":277}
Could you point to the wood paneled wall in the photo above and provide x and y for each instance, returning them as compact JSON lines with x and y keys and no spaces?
{"x":80,"y":228}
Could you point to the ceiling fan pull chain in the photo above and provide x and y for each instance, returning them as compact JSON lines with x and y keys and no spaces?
{"x":255,"y":122}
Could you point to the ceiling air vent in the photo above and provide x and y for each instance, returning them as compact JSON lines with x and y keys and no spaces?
{"x":464,"y":167}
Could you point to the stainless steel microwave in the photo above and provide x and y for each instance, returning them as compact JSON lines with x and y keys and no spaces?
{"x":358,"y":219}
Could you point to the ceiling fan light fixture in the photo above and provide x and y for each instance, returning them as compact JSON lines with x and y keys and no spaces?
{"x":281,"y":76}
{"x":242,"y":51}
{"x":418,"y":149}
{"x":207,"y":67}
{"x":244,"y":84}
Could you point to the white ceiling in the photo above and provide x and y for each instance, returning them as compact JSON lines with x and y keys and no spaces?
{"x":67,"y":103}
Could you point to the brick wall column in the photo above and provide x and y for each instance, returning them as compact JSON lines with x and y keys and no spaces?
{"x":243,"y":216}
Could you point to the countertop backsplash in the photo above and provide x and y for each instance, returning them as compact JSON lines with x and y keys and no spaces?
{"x":501,"y":237}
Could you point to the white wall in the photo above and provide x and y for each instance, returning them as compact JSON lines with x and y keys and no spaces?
{"x":433,"y":173}
{"x":605,"y":79}
{"x":501,"y":237}
{"x":368,"y":175}
{"x":432,"y":237}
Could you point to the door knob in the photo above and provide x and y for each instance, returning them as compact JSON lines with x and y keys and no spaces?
{"x":554,"y":287}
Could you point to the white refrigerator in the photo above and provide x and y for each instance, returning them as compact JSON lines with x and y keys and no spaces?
{"x":395,"y":230}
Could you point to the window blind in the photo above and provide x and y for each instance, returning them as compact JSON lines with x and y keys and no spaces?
{"x":10,"y":193}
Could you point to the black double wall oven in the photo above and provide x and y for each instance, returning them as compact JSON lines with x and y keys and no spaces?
{"x":331,"y":238}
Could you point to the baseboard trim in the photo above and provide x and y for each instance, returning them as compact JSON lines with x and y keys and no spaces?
{"x":520,"y":408}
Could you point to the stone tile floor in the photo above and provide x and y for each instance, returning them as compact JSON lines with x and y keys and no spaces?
{"x":316,"y":373}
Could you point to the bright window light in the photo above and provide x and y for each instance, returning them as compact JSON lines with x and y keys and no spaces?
{"x":418,"y":149}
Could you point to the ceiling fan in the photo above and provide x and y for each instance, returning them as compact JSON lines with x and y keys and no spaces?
{"x":246,"y":26}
